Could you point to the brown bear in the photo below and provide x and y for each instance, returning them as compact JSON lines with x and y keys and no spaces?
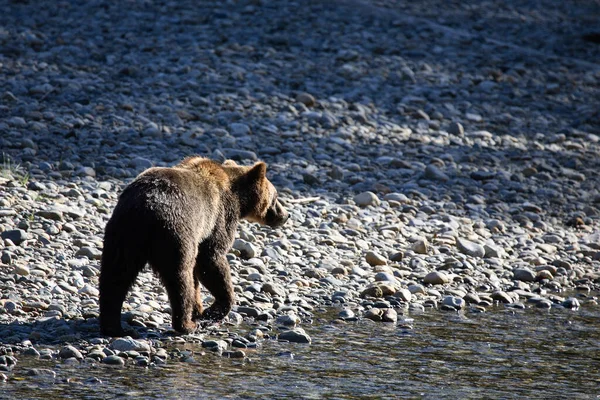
{"x":182,"y":222}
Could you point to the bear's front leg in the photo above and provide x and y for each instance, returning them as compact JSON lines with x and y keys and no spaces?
{"x":215,"y":275}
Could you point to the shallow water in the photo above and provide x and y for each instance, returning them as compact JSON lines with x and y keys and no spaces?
{"x":500,"y":354}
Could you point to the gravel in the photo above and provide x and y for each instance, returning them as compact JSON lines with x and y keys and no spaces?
{"x":432,"y":156}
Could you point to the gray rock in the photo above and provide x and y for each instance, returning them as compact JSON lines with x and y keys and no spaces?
{"x":420,"y":246}
{"x":453,"y":301}
{"x":366,"y":199}
{"x":524,"y":274}
{"x":52,"y":213}
{"x":70,"y":352}
{"x":455,"y":128}
{"x":273,"y":289}
{"x":374,"y":314}
{"x":436,"y":278}
{"x":17,"y":236}
{"x":90,"y":252}
{"x":470,"y":248}
{"x":433,"y":173}
{"x":374,"y":258}
{"x":129,"y":344}
{"x":389,"y":315}
{"x":571,"y":303}
{"x":297,"y":335}
{"x":305,"y":98}
{"x":113,"y":360}
{"x":247,"y":250}
{"x":403,"y":295}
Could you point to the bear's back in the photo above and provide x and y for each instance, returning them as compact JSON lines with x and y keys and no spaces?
{"x":181,"y":201}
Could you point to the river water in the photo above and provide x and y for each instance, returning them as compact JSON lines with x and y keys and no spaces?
{"x":501,"y":354}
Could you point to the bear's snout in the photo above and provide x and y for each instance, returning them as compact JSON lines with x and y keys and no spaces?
{"x":277,"y":215}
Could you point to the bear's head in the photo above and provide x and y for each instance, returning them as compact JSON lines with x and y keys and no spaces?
{"x":257,"y":195}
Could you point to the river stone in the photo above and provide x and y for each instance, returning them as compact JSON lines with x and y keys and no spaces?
{"x":524,"y":274}
{"x":17,"y":236}
{"x":571,"y":303}
{"x":90,"y":252}
{"x":42,"y":373}
{"x":70,"y":352}
{"x":247,"y":250}
{"x":403,"y":295}
{"x":21,"y":270}
{"x":249,"y":311}
{"x":374,"y":314}
{"x":397,"y":197}
{"x":436,"y":278}
{"x":492,"y":251}
{"x":289,"y":320}
{"x":433,"y":173}
{"x":129,"y":344}
{"x":543,"y":274}
{"x":421,"y":246}
{"x":296,"y":335}
{"x":273,"y":289}
{"x":51,"y":213}
{"x":384,"y":277}
{"x":501,"y":296}
{"x":456,"y":128}
{"x":389,"y":315}
{"x":306,"y":98}
{"x":366,"y":199}
{"x":234,"y":354}
{"x":215,"y":345}
{"x":472,"y":298}
{"x":31,"y":352}
{"x":239,"y":129}
{"x":374,"y":258}
{"x":470,"y":248}
{"x":453,"y":301}
{"x":113,"y":360}
{"x":372,"y":291}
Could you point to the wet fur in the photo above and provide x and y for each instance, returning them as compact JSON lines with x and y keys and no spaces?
{"x":182,"y":222}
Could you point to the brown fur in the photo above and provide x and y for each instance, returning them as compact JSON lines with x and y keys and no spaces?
{"x":182,"y":222}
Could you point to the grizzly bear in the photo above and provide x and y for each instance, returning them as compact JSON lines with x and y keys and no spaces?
{"x":182,"y":222}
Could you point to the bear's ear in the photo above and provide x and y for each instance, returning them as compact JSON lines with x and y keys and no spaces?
{"x":257,"y":172}
{"x":229,"y":163}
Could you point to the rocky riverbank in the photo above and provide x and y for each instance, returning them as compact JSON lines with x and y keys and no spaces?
{"x":429,"y":160}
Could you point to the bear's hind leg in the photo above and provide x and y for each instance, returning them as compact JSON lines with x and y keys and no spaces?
{"x":176,"y":270}
{"x":215,"y":275}
{"x":117,"y":275}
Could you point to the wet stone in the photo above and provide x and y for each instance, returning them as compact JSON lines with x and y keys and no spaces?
{"x":297,"y":335}
{"x":70,"y":352}
{"x":113,"y":360}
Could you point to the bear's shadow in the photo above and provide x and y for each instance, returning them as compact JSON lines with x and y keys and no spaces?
{"x":52,"y":331}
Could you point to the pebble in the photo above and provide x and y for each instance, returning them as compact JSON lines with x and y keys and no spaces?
{"x":128,"y":344}
{"x":436,"y":278}
{"x":297,"y":335}
{"x":374,"y":258}
{"x":113,"y":360}
{"x":524,"y":274}
{"x":70,"y":352}
{"x":470,"y":248}
{"x":366,"y":199}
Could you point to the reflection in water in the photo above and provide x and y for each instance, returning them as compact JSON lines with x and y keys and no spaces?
{"x":500,"y":354}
